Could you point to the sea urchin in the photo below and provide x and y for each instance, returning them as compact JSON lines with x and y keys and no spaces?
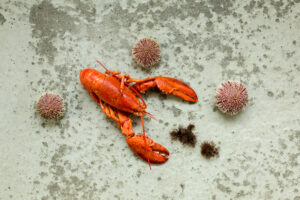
{"x":146,"y":52}
{"x":231,"y":97}
{"x":50,"y":106}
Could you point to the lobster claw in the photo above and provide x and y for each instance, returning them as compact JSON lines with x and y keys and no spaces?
{"x":154,"y":152}
{"x":177,"y":88}
{"x":168,"y":85}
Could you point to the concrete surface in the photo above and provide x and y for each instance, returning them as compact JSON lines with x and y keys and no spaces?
{"x":45,"y":44}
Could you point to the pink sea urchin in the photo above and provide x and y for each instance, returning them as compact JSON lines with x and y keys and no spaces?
{"x":146,"y":52}
{"x":231,"y":97}
{"x":51,"y":106}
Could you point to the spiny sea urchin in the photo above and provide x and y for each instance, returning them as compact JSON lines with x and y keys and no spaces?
{"x":209,"y":149}
{"x":146,"y":52}
{"x":231,"y":97}
{"x":50,"y":106}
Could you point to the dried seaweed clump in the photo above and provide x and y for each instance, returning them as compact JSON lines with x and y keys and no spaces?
{"x":184,"y":135}
{"x":209,"y":150}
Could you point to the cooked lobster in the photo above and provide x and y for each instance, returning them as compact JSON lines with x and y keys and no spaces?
{"x":119,"y":96}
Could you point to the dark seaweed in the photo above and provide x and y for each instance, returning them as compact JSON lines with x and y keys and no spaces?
{"x":184,"y":135}
{"x":209,"y":150}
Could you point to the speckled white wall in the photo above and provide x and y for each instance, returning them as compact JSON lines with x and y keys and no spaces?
{"x":45,"y":44}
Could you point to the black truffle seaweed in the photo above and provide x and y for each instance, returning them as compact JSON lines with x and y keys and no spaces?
{"x":209,"y":150}
{"x":184,"y":135}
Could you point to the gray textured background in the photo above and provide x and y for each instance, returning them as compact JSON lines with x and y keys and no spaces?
{"x":45,"y":44}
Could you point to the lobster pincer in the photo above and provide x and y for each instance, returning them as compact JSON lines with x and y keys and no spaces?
{"x":152,"y":152}
{"x":143,"y":146}
{"x":167,"y":85}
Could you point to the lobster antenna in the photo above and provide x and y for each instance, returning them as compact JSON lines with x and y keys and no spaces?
{"x":150,"y":115}
{"x":145,"y":140}
{"x":102,"y":65}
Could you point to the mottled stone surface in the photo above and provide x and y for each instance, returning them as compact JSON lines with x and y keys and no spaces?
{"x":45,"y":44}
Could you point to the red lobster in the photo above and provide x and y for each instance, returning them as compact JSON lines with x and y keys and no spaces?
{"x":118,"y":98}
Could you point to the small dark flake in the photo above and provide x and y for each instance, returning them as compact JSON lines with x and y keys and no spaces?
{"x":184,"y":135}
{"x":209,"y":150}
{"x":2,"y":19}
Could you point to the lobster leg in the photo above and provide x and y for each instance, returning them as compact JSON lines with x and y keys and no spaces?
{"x":143,"y":146}
{"x":167,"y":85}
{"x":123,"y":121}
